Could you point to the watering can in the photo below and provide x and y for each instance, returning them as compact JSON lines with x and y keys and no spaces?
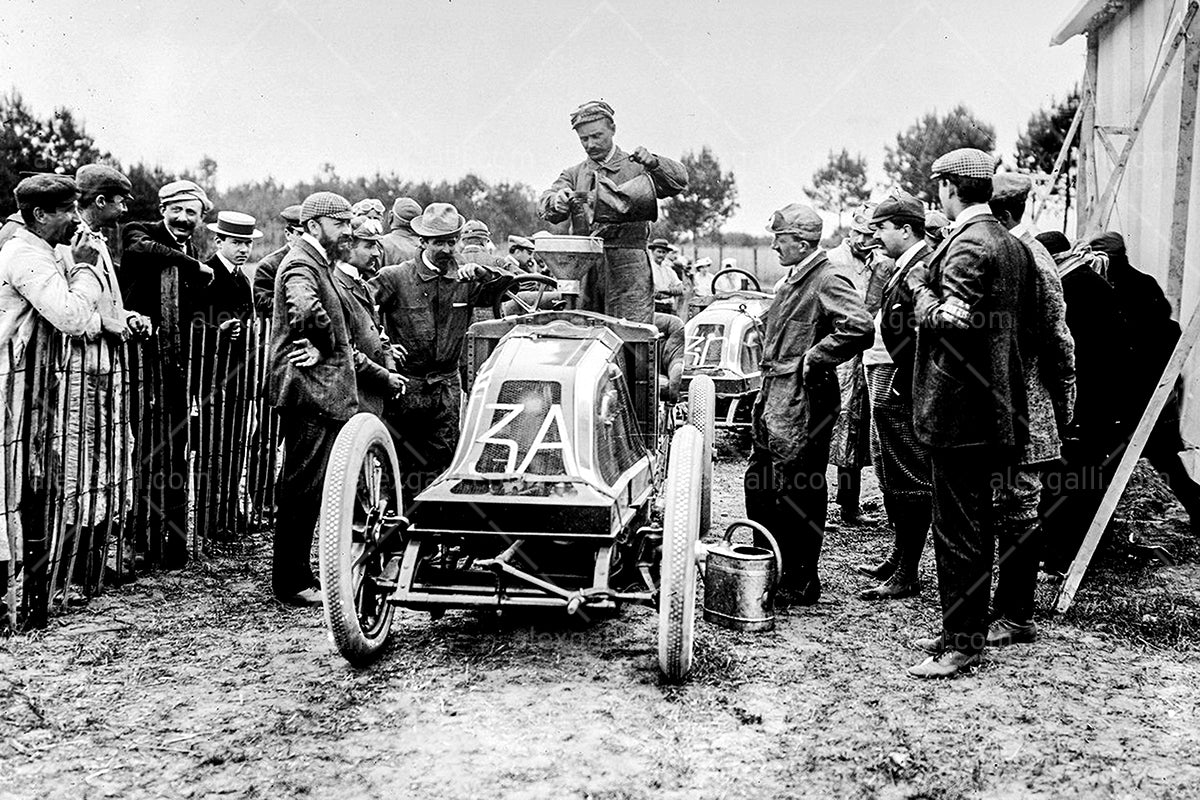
{"x":740,"y":581}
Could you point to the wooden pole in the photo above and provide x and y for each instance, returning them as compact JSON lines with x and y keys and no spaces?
{"x":1128,"y":461}
{"x":1063,"y":154}
{"x":1087,"y":138}
{"x":1108,"y":199}
{"x":1183,"y":172}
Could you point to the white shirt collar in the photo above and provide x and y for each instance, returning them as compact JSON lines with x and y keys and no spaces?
{"x":430,"y":264}
{"x":349,"y":269}
{"x":229,"y":265}
{"x":1020,"y":229}
{"x":909,"y":254}
{"x":970,"y":213}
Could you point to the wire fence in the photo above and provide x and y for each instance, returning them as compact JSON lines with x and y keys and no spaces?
{"x":123,"y":456}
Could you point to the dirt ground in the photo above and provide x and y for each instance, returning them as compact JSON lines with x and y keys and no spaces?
{"x":197,"y":684}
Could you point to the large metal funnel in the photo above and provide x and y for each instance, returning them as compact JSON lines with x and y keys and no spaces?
{"x":569,"y":257}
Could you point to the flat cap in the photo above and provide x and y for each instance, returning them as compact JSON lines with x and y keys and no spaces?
{"x":1008,"y":186}
{"x":368,"y":228}
{"x":182,"y":191}
{"x":966,"y":162}
{"x":369,"y":207}
{"x":520,"y":241}
{"x":45,"y":191}
{"x":1109,"y":242}
{"x":898,"y":208}
{"x":325,"y":204}
{"x":94,"y":180}
{"x":591,"y":111}
{"x":404,"y":209}
{"x":476,"y":227}
{"x":935,"y":220}
{"x":860,"y":220}
{"x":291,"y":215}
{"x":797,"y":218}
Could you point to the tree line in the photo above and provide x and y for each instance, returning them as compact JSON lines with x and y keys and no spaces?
{"x":59,"y":143}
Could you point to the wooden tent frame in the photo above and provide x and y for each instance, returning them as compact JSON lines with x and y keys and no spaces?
{"x":1098,"y":218}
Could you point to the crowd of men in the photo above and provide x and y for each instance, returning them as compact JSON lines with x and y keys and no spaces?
{"x":969,"y":360}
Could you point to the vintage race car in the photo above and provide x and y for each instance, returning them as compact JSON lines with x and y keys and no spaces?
{"x":572,"y":487}
{"x":724,"y":344}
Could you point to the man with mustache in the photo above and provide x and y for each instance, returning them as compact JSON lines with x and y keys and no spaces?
{"x":38,"y":281}
{"x":426,"y":304}
{"x":160,"y":275}
{"x":312,"y":383}
{"x":613,"y":195}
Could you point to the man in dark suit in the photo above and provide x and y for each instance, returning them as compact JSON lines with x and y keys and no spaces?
{"x":901,"y":461}
{"x":266,"y":269}
{"x":221,"y":313}
{"x":969,"y":404}
{"x":311,"y":362}
{"x":816,"y":321}
{"x":159,"y":277}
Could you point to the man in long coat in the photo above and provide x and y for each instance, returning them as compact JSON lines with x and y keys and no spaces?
{"x":816,"y":321}
{"x":969,"y":404}
{"x":312,"y":383}
{"x":613,"y":195}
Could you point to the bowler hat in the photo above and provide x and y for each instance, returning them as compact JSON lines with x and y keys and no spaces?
{"x":235,"y":225}
{"x":438,"y":220}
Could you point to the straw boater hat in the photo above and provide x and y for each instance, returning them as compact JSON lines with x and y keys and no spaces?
{"x":235,"y":225}
{"x":439,"y":220}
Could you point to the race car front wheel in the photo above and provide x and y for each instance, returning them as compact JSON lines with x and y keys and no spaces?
{"x":702,"y":411}
{"x":362,"y":489}
{"x":677,"y":583}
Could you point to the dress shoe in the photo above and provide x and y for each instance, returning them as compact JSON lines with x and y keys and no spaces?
{"x":807,"y":595}
{"x":1004,"y":632}
{"x":893,"y":588}
{"x":880,"y":571}
{"x":305,"y":597}
{"x":930,"y":644}
{"x":948,"y":664}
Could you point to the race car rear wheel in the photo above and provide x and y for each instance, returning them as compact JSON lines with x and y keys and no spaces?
{"x":677,"y":581}
{"x":362,"y":487}
{"x":702,"y":412}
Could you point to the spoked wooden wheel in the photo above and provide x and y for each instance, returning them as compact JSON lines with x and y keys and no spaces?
{"x":677,"y":583}
{"x":702,"y":412}
{"x":362,"y":489}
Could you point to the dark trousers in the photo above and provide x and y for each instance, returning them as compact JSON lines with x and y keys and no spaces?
{"x":1017,"y":504}
{"x":910,"y":515}
{"x":849,"y":490}
{"x":424,"y":426}
{"x":307,"y":442}
{"x":964,"y":530}
{"x":623,"y":288}
{"x":791,"y":501}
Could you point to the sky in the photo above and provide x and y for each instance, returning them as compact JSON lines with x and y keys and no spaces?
{"x":434,"y":90}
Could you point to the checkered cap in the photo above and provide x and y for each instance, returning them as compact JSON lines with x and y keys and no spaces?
{"x":324,"y":204}
{"x":966,"y":162}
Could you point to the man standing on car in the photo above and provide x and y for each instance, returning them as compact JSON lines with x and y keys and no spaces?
{"x":816,"y":321}
{"x":613,"y":195}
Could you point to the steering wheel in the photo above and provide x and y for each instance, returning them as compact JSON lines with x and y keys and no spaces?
{"x":734,"y":270}
{"x":523,"y":282}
